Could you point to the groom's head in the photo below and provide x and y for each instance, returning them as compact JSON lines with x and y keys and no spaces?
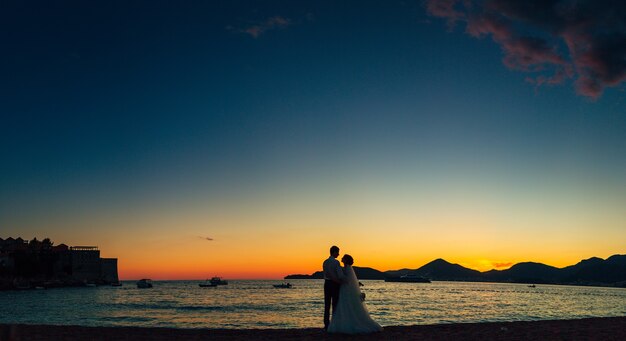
{"x":334,"y":251}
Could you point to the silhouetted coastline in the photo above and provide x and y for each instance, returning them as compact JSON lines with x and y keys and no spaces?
{"x":39,"y":264}
{"x":590,"y":272}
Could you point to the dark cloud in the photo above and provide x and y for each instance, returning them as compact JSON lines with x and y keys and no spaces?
{"x":257,"y":29}
{"x":445,"y":9}
{"x":206,"y":238}
{"x":583,"y":40}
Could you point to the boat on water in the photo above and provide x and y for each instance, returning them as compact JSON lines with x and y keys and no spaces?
{"x":532,"y":286}
{"x":283,"y":286}
{"x":207,"y":284}
{"x":218,"y":281}
{"x":144,"y":283}
{"x":90,"y":285}
{"x":116,"y":284}
{"x":408,"y":279}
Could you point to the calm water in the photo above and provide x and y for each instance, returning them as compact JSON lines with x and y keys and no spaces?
{"x":256,"y":304}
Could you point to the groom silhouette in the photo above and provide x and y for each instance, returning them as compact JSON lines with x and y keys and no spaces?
{"x":333,"y":276}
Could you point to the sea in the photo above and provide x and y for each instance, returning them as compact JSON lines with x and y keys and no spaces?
{"x":257,"y":304}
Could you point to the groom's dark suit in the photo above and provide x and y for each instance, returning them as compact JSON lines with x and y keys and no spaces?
{"x":332,"y":281}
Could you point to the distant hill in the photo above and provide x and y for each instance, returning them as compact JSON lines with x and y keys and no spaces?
{"x":527,"y":272}
{"x":368,"y":273}
{"x":439,"y":270}
{"x":597,"y":270}
{"x":592,"y":271}
{"x":361,"y":273}
{"x":442,"y":270}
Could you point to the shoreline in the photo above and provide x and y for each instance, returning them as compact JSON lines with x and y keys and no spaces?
{"x":619,"y":285}
{"x":596,"y":328}
{"x":131,"y":282}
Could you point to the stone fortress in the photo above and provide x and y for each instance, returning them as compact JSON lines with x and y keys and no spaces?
{"x":27,"y":263}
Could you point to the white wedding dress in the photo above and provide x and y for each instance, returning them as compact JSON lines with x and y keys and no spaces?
{"x":351,"y":316}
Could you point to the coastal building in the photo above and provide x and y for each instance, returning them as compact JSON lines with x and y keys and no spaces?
{"x":62,"y":267}
{"x":35,"y":259}
{"x":85,"y":263}
{"x":108,"y":270}
{"x":7,"y":263}
{"x":11,"y":244}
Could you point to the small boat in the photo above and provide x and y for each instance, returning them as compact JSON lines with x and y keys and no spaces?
{"x":144,"y":283}
{"x":90,"y":285}
{"x":207,"y":284}
{"x":218,"y":281}
{"x":39,"y":288}
{"x":532,"y":286}
{"x":116,"y":284}
{"x":283,"y":286}
{"x":408,"y":279}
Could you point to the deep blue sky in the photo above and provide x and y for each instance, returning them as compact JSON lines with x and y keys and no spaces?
{"x":114,"y":104}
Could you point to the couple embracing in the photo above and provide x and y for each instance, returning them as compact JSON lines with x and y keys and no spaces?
{"x":342,"y":292}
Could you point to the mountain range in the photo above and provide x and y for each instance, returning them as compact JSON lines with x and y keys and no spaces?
{"x":592,"y":271}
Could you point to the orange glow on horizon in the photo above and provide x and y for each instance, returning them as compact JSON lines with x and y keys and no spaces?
{"x":174,"y":271}
{"x":271,"y":233}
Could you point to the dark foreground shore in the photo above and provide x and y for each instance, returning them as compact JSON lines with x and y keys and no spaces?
{"x":608,"y":328}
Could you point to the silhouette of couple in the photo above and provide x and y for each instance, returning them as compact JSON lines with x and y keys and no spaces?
{"x":342,"y":292}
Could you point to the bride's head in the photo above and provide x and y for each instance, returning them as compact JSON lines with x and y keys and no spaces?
{"x":347,"y":259}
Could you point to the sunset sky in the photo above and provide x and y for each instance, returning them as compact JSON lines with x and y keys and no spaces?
{"x":244,"y":138}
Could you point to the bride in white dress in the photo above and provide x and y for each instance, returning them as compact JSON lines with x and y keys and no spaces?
{"x":351,"y":315}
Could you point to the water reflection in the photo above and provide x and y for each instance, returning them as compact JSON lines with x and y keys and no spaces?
{"x":256,"y":304}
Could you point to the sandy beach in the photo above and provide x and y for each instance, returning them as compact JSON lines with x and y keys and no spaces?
{"x":608,"y":328}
